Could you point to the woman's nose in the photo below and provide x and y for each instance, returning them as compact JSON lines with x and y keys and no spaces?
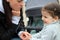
{"x":22,"y":3}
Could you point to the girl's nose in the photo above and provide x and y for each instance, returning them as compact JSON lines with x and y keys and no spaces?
{"x":42,"y":18}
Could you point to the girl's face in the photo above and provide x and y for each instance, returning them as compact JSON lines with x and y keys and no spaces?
{"x":15,"y":4}
{"x":47,"y":18}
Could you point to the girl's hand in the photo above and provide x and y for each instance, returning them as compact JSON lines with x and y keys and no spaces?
{"x":25,"y":36}
{"x":15,"y":13}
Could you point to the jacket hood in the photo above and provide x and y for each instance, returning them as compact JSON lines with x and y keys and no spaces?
{"x":1,"y":6}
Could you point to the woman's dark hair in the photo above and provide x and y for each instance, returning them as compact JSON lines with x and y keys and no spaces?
{"x":8,"y":13}
{"x":53,"y":9}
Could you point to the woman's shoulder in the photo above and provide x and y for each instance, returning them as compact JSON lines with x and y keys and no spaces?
{"x":2,"y":17}
{"x":2,"y":14}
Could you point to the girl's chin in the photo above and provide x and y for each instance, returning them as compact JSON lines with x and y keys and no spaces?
{"x":45,"y":24}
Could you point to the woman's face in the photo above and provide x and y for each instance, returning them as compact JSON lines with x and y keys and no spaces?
{"x":15,"y":4}
{"x":47,"y":18}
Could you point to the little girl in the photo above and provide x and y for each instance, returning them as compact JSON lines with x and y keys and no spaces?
{"x":51,"y":19}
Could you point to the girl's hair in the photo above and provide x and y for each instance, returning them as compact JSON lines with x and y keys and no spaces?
{"x":8,"y":13}
{"x":53,"y":9}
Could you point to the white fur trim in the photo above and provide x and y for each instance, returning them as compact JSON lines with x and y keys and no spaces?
{"x":1,"y":6}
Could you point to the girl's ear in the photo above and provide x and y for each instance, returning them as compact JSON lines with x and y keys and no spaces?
{"x":56,"y":18}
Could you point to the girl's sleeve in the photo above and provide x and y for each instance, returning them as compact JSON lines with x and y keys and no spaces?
{"x":46,"y":34}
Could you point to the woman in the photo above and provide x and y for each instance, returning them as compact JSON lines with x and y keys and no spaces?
{"x":10,"y":14}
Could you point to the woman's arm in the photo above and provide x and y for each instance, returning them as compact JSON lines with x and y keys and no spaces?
{"x":5,"y":32}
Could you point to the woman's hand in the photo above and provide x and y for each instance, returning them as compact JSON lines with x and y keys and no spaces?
{"x":25,"y":36}
{"x":15,"y":13}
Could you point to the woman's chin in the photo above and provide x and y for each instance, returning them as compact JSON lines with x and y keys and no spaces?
{"x":16,"y":9}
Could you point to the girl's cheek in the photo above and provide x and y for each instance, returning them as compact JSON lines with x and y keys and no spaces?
{"x":46,"y":21}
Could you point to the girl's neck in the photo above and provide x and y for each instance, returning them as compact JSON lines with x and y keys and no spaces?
{"x":52,"y":22}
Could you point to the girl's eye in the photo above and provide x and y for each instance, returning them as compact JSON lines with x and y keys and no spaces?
{"x":45,"y":16}
{"x":19,"y":0}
